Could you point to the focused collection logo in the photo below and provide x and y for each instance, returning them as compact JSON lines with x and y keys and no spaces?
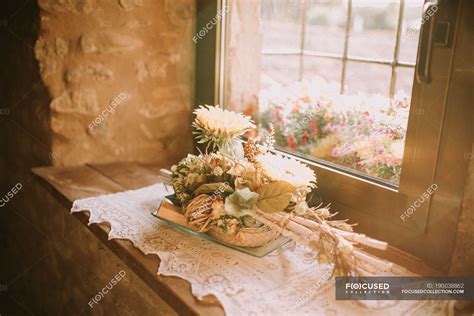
{"x":367,"y":287}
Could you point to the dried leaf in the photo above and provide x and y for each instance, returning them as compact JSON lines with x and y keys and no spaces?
{"x":275,"y":196}
{"x":216,"y":188}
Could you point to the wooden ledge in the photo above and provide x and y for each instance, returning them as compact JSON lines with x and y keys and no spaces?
{"x":70,"y":183}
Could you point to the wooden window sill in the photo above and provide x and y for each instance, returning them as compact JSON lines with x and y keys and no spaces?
{"x":70,"y":183}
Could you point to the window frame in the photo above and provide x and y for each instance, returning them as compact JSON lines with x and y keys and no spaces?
{"x":375,"y":205}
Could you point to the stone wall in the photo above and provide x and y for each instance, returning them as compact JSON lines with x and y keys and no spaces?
{"x":120,"y":74}
{"x":63,"y":64}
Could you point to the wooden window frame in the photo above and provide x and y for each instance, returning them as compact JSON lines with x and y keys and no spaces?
{"x":429,"y":232}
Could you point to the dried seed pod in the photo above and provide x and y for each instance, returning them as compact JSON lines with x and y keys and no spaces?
{"x":251,"y":150}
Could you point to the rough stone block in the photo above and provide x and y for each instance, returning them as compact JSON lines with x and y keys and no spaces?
{"x":76,"y":6}
{"x":78,"y":101}
{"x":130,"y":4}
{"x":45,"y":56}
{"x":135,"y":24}
{"x":61,"y":47}
{"x":108,"y":42}
{"x":179,"y":11}
{"x":88,"y":71}
{"x":85,"y":101}
{"x":70,"y":129}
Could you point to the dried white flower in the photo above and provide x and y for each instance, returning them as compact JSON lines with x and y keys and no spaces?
{"x":218,"y":126}
{"x":279,"y":167}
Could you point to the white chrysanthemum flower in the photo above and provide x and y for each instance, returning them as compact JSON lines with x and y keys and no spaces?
{"x":279,"y":167}
{"x":219,"y":126}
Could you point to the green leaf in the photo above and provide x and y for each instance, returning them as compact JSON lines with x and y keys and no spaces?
{"x":216,"y":188}
{"x":275,"y":196}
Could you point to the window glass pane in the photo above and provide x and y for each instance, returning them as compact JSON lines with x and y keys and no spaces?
{"x":279,"y":69}
{"x":404,"y":80}
{"x":411,"y":30}
{"x":281,"y":22}
{"x":329,"y":69}
{"x":367,"y":78}
{"x":373,"y":28}
{"x":359,"y":128}
{"x":325,"y":26}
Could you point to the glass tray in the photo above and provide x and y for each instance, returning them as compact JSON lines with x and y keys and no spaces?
{"x":259,"y":252}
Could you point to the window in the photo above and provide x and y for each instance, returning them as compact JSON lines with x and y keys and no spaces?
{"x":267,"y":54}
{"x":335,"y":80}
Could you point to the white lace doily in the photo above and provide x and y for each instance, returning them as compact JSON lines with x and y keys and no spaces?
{"x":286,"y":282}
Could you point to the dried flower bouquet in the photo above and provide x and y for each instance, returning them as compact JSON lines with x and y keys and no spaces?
{"x":246,"y":194}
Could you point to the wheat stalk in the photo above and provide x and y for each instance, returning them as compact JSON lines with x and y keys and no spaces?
{"x":319,"y":235}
